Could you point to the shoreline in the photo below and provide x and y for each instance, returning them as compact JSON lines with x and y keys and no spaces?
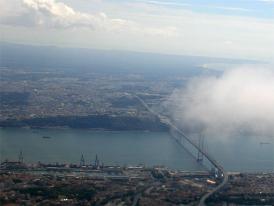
{"x":27,"y":166}
{"x":93,"y":122}
{"x":84,"y":129}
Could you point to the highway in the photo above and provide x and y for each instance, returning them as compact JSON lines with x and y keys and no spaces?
{"x":216,"y":189}
{"x":194,"y":144}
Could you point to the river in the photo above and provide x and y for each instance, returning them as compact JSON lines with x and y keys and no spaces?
{"x":130,"y":148}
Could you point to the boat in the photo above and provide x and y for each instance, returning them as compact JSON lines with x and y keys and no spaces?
{"x":265,"y":143}
{"x":46,"y":137}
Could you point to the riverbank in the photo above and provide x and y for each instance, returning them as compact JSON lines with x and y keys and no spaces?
{"x":95,"y":122}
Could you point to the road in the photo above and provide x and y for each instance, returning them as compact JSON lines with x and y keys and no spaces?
{"x":216,"y":189}
{"x":208,"y":156}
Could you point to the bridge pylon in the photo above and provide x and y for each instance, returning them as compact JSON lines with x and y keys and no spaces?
{"x":82,"y":161}
{"x":201,"y":141}
{"x":20,"y":157}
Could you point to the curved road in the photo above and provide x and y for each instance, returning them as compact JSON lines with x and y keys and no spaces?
{"x":209,"y":157}
{"x":216,"y":189}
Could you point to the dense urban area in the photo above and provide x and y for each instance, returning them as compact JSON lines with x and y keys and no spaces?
{"x":96,"y":184}
{"x":55,"y":98}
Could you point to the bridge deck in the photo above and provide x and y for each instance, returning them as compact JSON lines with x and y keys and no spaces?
{"x":207,"y":156}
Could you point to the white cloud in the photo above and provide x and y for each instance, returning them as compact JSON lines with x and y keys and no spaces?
{"x":52,"y":14}
{"x":138,"y":26}
{"x":267,"y":1}
{"x":165,"y":3}
{"x":178,"y":5}
{"x":228,"y":42}
{"x":231,"y":8}
{"x":240,"y":100}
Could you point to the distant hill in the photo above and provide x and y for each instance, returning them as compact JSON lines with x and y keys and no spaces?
{"x":106,"y":61}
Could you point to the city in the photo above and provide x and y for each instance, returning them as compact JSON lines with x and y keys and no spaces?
{"x":136,"y":103}
{"x":98,"y":184}
{"x":30,"y":98}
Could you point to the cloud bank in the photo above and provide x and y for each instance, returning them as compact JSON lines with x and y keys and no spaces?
{"x":199,"y":29}
{"x":239,"y":101}
{"x":58,"y":15}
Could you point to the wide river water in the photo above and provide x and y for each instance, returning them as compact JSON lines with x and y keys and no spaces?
{"x":131,"y":148}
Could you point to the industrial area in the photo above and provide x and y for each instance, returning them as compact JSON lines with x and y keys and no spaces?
{"x":98,"y":184}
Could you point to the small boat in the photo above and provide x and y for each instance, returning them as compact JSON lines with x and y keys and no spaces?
{"x":265,"y":143}
{"x":46,"y":137}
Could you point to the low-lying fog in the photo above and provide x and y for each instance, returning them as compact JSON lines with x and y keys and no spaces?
{"x":241,"y":100}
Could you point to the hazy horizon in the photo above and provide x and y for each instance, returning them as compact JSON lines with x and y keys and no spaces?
{"x":234,"y":29}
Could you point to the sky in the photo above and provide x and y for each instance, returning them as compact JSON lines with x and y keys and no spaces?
{"x":231,"y":29}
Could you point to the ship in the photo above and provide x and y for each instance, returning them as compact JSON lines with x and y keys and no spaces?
{"x":46,"y":137}
{"x":261,"y":143}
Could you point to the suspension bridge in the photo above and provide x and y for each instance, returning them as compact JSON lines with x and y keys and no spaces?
{"x":201,"y":151}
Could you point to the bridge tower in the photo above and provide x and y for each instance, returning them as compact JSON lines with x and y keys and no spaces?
{"x":96,"y":162}
{"x":200,"y":156}
{"x":82,"y":161}
{"x":20,"y":157}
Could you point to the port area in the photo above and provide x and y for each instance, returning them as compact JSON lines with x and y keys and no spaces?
{"x":70,"y":184}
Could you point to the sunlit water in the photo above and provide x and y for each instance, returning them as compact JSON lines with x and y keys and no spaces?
{"x":130,"y":148}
